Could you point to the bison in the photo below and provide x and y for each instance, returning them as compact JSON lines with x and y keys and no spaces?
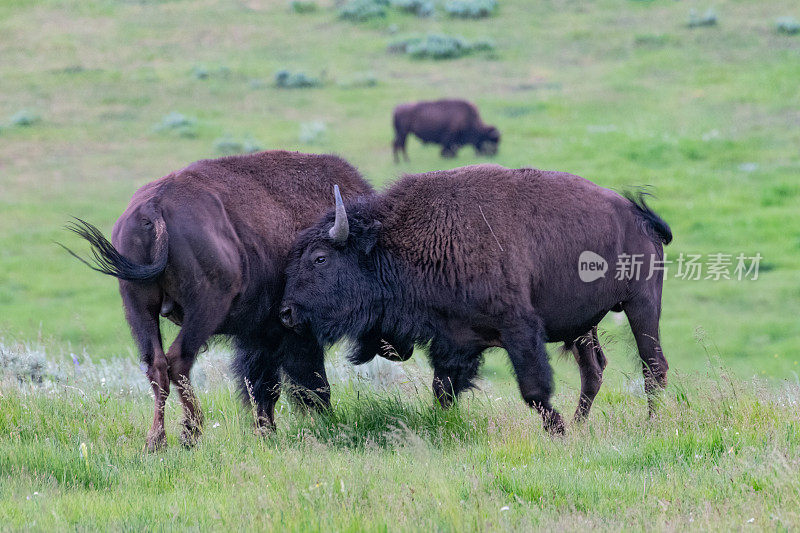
{"x":206,"y":247}
{"x":484,"y":256}
{"x":450,"y":123}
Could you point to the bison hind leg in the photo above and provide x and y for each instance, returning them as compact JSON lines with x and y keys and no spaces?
{"x":399,"y":145}
{"x":643,"y":315}
{"x":142,"y":303}
{"x":591,"y":362}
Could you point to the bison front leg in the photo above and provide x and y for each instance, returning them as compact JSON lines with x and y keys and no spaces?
{"x":395,"y":350}
{"x":256,"y":364}
{"x":524,"y":342}
{"x":304,"y":368}
{"x":449,"y":151}
{"x":376,"y":343}
{"x":449,"y":146}
{"x":453,"y":373}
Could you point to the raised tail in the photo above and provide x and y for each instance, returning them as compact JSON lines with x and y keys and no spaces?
{"x":654,"y":223}
{"x":108,"y":260}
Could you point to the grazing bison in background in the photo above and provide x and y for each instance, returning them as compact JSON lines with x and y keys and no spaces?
{"x":483,"y":256}
{"x":450,"y":123}
{"x":206,"y":247}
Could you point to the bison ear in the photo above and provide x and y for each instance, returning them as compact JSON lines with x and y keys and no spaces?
{"x":370,"y":236}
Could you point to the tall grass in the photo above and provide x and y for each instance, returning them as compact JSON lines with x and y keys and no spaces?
{"x":722,"y":453}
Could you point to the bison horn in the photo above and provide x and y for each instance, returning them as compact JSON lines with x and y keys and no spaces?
{"x":340,"y":229}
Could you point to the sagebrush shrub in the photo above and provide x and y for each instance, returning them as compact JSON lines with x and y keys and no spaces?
{"x":421,"y":8}
{"x":709,"y":18}
{"x":364,"y":79}
{"x":24,"y":365}
{"x":361,"y":10}
{"x":285,"y":79}
{"x":228,"y":145}
{"x":436,"y":46}
{"x":312,"y":132}
{"x":470,"y":8}
{"x":202,"y":72}
{"x":24,"y":117}
{"x":179,"y":124}
{"x":787,"y":25}
{"x":303,"y":6}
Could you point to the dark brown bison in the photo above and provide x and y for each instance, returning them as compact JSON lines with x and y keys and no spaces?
{"x":450,"y":123}
{"x":206,"y":247}
{"x":484,"y":256}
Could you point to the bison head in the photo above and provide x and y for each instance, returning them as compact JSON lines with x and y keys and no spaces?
{"x":332,"y":288}
{"x":489,"y":141}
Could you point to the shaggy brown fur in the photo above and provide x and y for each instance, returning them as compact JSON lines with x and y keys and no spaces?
{"x":484,"y":256}
{"x":206,"y":246}
{"x":450,"y":123}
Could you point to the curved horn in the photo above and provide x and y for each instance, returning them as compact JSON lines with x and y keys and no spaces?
{"x":340,"y":229}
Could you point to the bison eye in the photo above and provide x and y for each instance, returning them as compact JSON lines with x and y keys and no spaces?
{"x":320,"y":260}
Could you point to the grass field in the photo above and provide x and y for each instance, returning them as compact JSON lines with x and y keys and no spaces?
{"x":724,"y":456}
{"x":622,"y":92}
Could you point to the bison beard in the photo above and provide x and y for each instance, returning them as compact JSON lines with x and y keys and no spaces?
{"x":483,"y":256}
{"x":206,"y":247}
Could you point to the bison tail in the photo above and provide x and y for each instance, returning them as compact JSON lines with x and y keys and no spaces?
{"x":654,"y":222}
{"x":108,"y":260}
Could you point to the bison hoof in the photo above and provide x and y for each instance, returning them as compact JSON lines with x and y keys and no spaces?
{"x":155,"y":442}
{"x":554,"y":424}
{"x":264,"y":430}
{"x":190,"y":435}
{"x":264,"y":427}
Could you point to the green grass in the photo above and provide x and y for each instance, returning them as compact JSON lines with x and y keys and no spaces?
{"x":619,"y":91}
{"x":622,"y":93}
{"x":722,"y":454}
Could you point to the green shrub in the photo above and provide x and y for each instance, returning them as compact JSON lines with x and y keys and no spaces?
{"x":179,"y":124}
{"x":364,"y":79}
{"x":470,"y":9}
{"x":787,"y":25}
{"x":201,"y":72}
{"x":433,"y":46}
{"x":24,"y":117}
{"x":708,"y":19}
{"x":25,"y":365}
{"x":361,"y":10}
{"x":312,"y":132}
{"x":228,"y":145}
{"x":654,"y":40}
{"x":250,"y":145}
{"x":303,"y":6}
{"x":421,"y":8}
{"x":285,"y":79}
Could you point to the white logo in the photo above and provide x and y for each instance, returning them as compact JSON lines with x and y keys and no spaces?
{"x":591,"y":266}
